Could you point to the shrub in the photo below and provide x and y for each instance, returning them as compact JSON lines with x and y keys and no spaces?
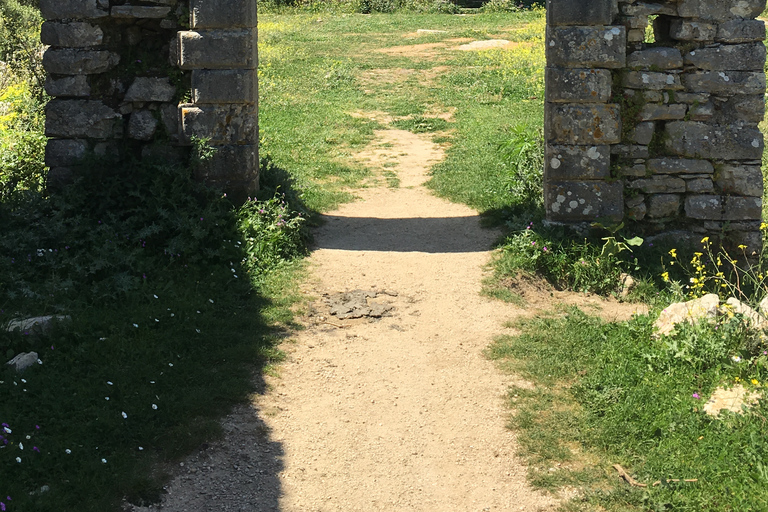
{"x":523,"y":156}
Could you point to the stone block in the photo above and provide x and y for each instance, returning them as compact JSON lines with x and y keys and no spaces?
{"x":679,"y":166}
{"x":585,"y":47}
{"x":741,"y":31}
{"x":725,"y":82}
{"x":741,"y":107}
{"x":222,"y":14}
{"x":699,"y":186}
{"x":690,"y":98}
{"x":76,"y":34}
{"x":633,"y":171}
{"x":580,"y":12}
{"x":742,"y":208}
{"x":236,"y":163}
{"x":578,"y":85}
{"x":637,"y":212}
{"x":81,"y":118}
{"x":729,"y":57}
{"x":673,"y":112}
{"x":720,"y":10}
{"x":703,"y":112}
{"x":642,"y":133}
{"x":663,"y":205}
{"x":687,"y":30}
{"x":218,"y":49}
{"x":65,"y":152}
{"x":645,"y":9}
{"x":140,"y":12}
{"x":578,"y":162}
{"x":630,"y":151}
{"x":142,"y":125}
{"x":71,"y":9}
{"x":652,"y":80}
{"x":704,"y":207}
{"x":224,"y":86}
{"x":68,"y":86}
{"x":584,"y":200}
{"x":584,"y":124}
{"x":222,"y":124}
{"x":698,"y":140}
{"x":150,"y":89}
{"x":68,"y":61}
{"x":659,"y":185}
{"x":740,"y":180}
{"x":655,"y":58}
{"x":169,"y":116}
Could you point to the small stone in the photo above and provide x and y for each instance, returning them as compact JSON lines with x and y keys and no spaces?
{"x":23,"y":361}
{"x":751,"y":317}
{"x":39,"y":325}
{"x":663,"y":205}
{"x":656,"y":58}
{"x":628,"y":283}
{"x":691,"y":312}
{"x":147,"y":89}
{"x":142,"y":125}
{"x":735,"y":399}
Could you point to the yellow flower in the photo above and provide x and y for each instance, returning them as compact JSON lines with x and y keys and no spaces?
{"x":665,"y":277}
{"x":742,"y":247}
{"x":763,"y":226}
{"x":755,"y":382}
{"x":673,"y":253}
{"x":705,"y":240}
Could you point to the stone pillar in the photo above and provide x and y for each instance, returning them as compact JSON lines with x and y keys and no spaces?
{"x":114,"y":88}
{"x":581,"y":120}
{"x":115,"y":73}
{"x":670,"y":124}
{"x":221,"y":52}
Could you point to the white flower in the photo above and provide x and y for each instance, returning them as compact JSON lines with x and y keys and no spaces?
{"x":18,"y":459}
{"x":21,"y":446}
{"x":110,"y":383}
{"x":39,"y":361}
{"x":198,"y":312}
{"x":156,"y":320}
{"x":198,"y":331}
{"x":24,"y":381}
{"x":210,"y":300}
{"x":141,"y":448}
{"x":106,"y":398}
{"x":7,"y":430}
{"x":154,"y":407}
{"x":67,"y":451}
{"x":233,"y":270}
{"x":235,"y":276}
{"x":170,"y":364}
{"x":155,"y":296}
{"x":103,"y":461}
{"x":136,"y":325}
{"x":173,"y":315}
{"x":151,"y":382}
{"x":736,"y":359}
{"x":125,"y":416}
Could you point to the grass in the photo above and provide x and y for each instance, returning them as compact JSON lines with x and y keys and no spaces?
{"x":609,"y":393}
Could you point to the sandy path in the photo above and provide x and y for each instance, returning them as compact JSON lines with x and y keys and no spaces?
{"x":398,"y":414}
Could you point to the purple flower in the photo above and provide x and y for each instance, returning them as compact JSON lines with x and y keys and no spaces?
{"x":545,"y":249}
{"x":696,"y":396}
{"x":2,"y":506}
{"x":36,"y":449}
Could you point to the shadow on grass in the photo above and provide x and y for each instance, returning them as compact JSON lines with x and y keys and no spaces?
{"x":168,"y":334}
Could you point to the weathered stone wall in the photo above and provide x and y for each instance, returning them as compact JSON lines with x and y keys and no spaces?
{"x":663,"y":133}
{"x":143,"y":78}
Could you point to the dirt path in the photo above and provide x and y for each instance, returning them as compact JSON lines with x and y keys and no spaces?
{"x":401,"y":413}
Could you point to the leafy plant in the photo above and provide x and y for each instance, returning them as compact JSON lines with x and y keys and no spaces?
{"x":523,"y":155}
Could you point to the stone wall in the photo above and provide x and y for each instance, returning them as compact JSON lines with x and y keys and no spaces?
{"x":143,"y":78}
{"x":664,"y":132}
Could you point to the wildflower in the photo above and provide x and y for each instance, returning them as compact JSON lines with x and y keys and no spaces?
{"x":36,"y":449}
{"x":68,"y":451}
{"x":21,"y":446}
{"x":154,"y":407}
{"x":696,"y":396}
{"x":755,"y":382}
{"x":665,"y":277}
{"x":125,"y":416}
{"x":705,"y":240}
{"x":141,"y":448}
{"x":155,"y":296}
{"x":18,"y":459}
{"x":742,"y":247}
{"x":673,"y":253}
{"x":2,"y":506}
{"x":763,"y":226}
{"x":545,"y":248}
{"x":210,"y":300}
{"x":103,"y":461}
{"x":136,"y":325}
{"x":736,"y":359}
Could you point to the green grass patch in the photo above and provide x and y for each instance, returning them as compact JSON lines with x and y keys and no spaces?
{"x":420,"y":124}
{"x":609,"y":393}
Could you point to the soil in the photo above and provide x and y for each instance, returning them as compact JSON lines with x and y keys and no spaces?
{"x":393,"y":411}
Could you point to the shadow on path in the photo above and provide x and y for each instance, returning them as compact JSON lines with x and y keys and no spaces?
{"x":430,"y":235}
